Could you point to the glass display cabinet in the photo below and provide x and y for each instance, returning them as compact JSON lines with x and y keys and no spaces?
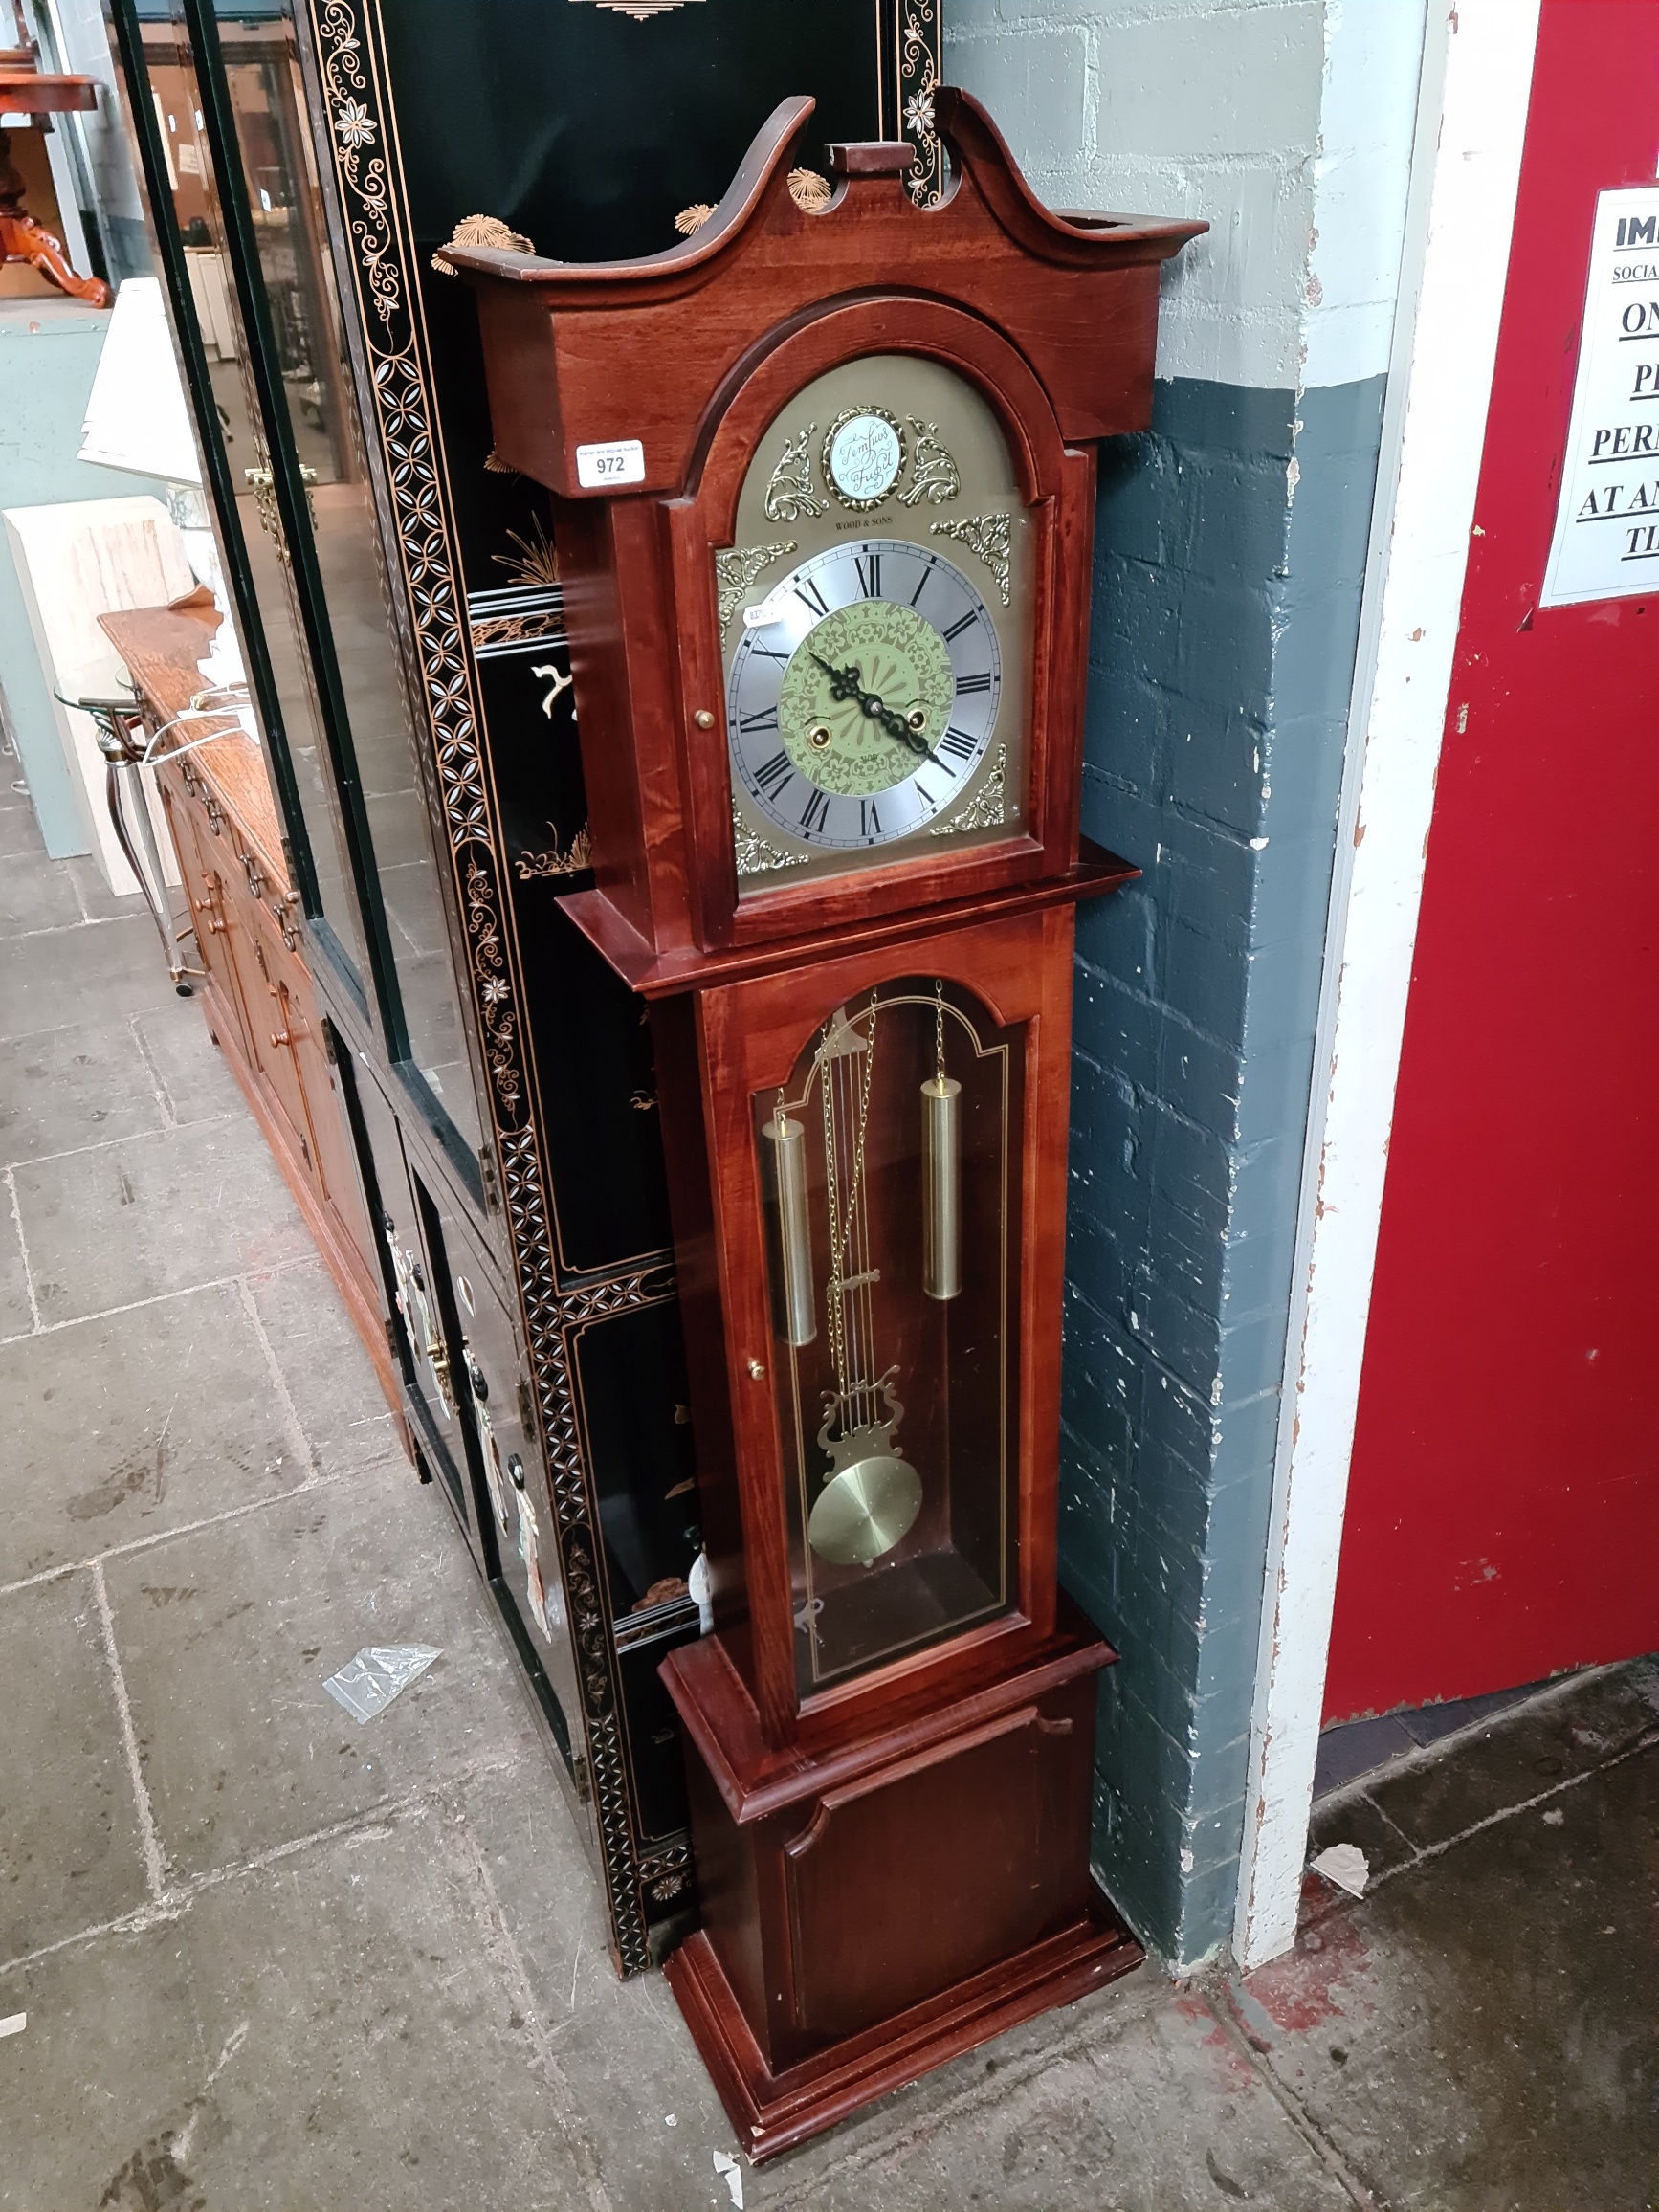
{"x":308,"y":168}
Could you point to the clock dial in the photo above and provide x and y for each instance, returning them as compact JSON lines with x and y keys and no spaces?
{"x":863,"y":694}
{"x":876,"y":608}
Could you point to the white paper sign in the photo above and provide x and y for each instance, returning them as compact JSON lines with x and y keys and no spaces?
{"x":620,"y":462}
{"x":1607,"y":541}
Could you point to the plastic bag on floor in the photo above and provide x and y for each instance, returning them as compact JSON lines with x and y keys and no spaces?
{"x":367,"y":1684}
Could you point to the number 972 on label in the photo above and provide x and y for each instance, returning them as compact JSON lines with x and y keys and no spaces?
{"x":620,"y":461}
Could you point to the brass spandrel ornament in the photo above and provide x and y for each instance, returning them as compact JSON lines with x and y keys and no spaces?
{"x":736,"y":570}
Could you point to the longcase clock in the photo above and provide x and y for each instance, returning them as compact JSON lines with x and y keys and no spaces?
{"x":825,"y":489}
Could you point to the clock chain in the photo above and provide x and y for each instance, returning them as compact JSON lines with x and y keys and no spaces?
{"x":845,"y":1126}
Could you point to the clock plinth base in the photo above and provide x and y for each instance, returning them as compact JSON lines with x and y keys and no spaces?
{"x":874,"y":1907}
{"x":773,"y":2111}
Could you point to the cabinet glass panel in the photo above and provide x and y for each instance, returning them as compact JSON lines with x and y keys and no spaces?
{"x":262,"y":72}
{"x":197,"y":213}
{"x":891,"y":1169}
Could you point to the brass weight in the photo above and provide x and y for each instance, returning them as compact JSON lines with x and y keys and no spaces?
{"x":942,"y":1188}
{"x":799,"y":1306}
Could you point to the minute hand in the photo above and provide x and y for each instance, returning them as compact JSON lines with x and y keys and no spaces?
{"x":847,"y":683}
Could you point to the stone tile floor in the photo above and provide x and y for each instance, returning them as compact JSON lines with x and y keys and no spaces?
{"x":269,"y":1959}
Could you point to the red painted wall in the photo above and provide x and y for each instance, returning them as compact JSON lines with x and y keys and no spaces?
{"x":1503,"y":1507}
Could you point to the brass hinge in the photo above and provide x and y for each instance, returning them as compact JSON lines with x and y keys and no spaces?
{"x":487,"y":1176}
{"x":579,"y":1776}
{"x":526,"y":1409}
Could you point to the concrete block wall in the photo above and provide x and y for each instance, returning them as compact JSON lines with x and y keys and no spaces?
{"x":1230,"y":552}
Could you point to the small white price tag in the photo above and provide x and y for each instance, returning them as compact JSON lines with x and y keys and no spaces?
{"x":764,"y":616}
{"x":620,"y":462}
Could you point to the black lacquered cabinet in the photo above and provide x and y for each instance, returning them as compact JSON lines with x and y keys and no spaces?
{"x":402,"y":623}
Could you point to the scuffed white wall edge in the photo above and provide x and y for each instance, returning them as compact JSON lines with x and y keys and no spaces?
{"x":1288,"y":126}
{"x":1362,"y":187}
{"x":1197,"y":108}
{"x":1471,"y":117}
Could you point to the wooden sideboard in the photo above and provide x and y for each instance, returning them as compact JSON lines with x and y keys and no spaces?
{"x":256,"y":990}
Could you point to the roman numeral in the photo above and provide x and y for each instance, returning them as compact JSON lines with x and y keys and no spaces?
{"x":926,"y":580}
{"x":762,"y":719}
{"x":816,"y":812}
{"x":958,"y":743}
{"x":956,"y":628}
{"x":973,"y":683}
{"x":769,"y":652}
{"x":772,"y":775}
{"x":811,"y":596}
{"x":920,"y":788}
{"x":869,"y":567}
{"x":869,"y":820}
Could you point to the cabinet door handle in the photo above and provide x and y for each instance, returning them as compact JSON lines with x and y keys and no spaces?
{"x":292,"y":1030}
{"x":262,"y":483}
{"x":210,"y":906}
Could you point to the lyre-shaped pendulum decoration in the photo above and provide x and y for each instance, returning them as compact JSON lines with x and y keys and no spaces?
{"x":940,"y":1170}
{"x":872,"y":1495}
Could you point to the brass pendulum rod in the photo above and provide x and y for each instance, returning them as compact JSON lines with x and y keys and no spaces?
{"x":940,"y":1170}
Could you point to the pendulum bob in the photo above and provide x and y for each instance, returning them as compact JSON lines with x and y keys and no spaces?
{"x":942,"y":1188}
{"x":798,"y":1314}
{"x":874,"y":1494}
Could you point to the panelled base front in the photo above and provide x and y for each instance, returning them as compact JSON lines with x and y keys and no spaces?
{"x":772,"y":2112}
{"x":884,"y":1905}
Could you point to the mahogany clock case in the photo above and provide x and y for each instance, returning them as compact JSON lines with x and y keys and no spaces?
{"x":889,"y":1744}
{"x":524,"y":1240}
